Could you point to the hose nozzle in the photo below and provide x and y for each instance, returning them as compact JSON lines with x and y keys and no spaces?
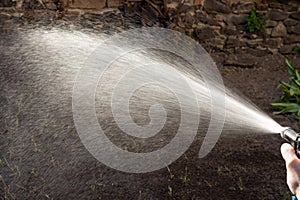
{"x":293,"y":138}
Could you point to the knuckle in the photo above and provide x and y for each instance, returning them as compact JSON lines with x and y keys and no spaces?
{"x":293,"y":187}
{"x":290,"y":164}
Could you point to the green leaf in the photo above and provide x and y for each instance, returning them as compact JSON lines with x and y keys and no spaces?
{"x":288,"y":87}
{"x":290,"y":68}
{"x":287,"y":107}
{"x":285,"y":85}
{"x":296,"y":48}
{"x":283,"y":104}
{"x":297,"y":83}
{"x":255,"y":22}
{"x":290,"y":93}
{"x":297,"y":75}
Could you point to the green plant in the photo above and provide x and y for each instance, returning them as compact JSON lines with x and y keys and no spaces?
{"x":291,"y":93}
{"x":209,"y":184}
{"x":255,"y":22}
{"x":232,"y":188}
{"x":241,"y":184}
{"x":296,"y":49}
{"x":170,"y":191}
{"x":185,"y":178}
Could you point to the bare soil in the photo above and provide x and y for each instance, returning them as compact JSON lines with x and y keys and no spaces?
{"x":41,"y":156}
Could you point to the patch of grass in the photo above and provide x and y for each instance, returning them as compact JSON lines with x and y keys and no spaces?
{"x":232,"y":188}
{"x":185,"y":178}
{"x":93,"y":187}
{"x":14,"y":170}
{"x":21,"y":187}
{"x":290,"y":99}
{"x":221,"y":169}
{"x":241,"y":184}
{"x":6,"y":189}
{"x":53,"y":162}
{"x":170,"y":191}
{"x":140,"y":195}
{"x":34,"y":189}
{"x":255,"y":22}
{"x":296,"y":49}
{"x":35,"y":144}
{"x":209,"y":184}
{"x":33,"y":172}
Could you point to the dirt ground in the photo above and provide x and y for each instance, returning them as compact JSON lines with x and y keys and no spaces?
{"x":41,"y":156}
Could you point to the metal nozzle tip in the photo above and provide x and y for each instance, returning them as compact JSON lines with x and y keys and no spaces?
{"x":290,"y":135}
{"x":284,"y":129}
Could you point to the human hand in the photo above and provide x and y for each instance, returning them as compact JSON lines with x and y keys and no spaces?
{"x":292,"y":163}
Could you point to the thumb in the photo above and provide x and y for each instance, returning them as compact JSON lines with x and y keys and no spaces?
{"x":288,"y":152}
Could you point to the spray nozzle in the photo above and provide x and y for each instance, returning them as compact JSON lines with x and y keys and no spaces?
{"x":293,"y":138}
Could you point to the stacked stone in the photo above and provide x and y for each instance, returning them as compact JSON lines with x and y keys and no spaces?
{"x":58,"y":4}
{"x":220,"y":26}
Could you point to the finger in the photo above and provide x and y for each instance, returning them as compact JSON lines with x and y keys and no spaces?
{"x":288,"y":152}
{"x":297,"y":192}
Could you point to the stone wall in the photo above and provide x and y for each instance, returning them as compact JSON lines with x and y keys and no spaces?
{"x":220,"y":26}
{"x":61,"y":4}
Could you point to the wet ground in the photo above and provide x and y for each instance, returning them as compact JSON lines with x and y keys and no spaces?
{"x":42,"y":157}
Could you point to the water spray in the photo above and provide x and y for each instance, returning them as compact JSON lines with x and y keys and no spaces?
{"x":293,"y":138}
